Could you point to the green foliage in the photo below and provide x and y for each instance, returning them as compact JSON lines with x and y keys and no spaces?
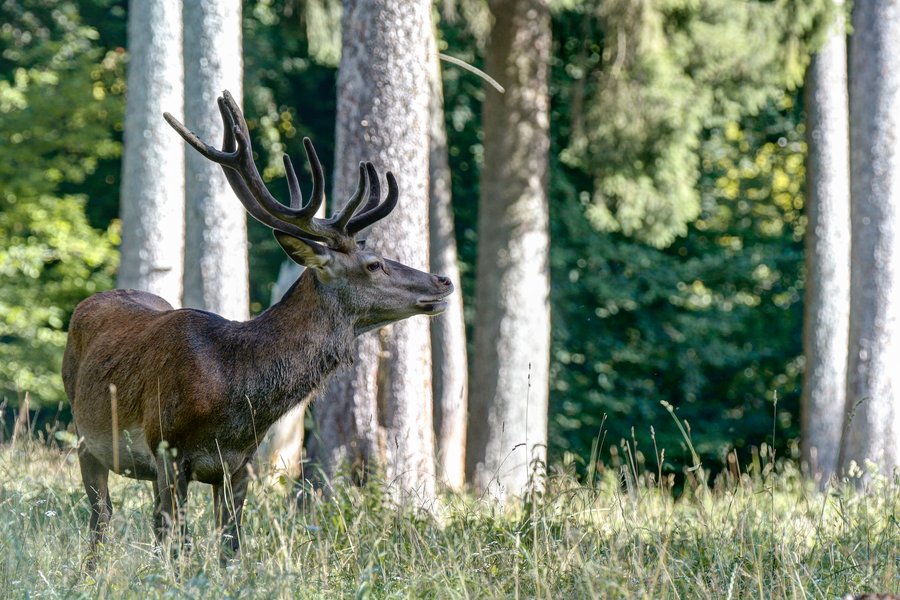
{"x":60,"y":98}
{"x":323,"y":30}
{"x":762,"y":532}
{"x":710,"y":324}
{"x":656,"y":74}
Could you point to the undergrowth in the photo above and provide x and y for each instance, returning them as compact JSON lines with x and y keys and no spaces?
{"x":762,"y":533}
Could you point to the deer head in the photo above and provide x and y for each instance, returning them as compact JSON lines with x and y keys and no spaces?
{"x":374,"y":289}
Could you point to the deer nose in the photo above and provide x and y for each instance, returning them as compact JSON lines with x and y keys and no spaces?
{"x":444,"y":281}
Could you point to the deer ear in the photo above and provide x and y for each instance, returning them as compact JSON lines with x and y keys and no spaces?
{"x":307,"y":253}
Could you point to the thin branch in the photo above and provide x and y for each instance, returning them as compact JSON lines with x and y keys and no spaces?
{"x":461,"y":63}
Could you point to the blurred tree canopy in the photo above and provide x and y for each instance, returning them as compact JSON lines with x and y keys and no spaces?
{"x":60,"y":99}
{"x":660,"y":73}
{"x":676,"y":194}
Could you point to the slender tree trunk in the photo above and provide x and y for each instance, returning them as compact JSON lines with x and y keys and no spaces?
{"x":152,"y":197}
{"x":508,"y":397}
{"x":215,"y":261}
{"x":827,"y":303}
{"x":448,"y":331}
{"x":380,"y":410}
{"x":872,"y":431}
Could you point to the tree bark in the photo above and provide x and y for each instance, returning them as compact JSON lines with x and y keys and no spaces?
{"x":215,"y":261}
{"x":827,"y":302}
{"x":508,"y":398}
{"x":152,"y":197}
{"x":872,"y":431}
{"x":379,"y":411}
{"x":448,"y":331}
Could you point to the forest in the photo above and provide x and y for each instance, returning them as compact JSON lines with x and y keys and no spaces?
{"x":671,"y":226}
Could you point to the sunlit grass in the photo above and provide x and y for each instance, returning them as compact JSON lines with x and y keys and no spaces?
{"x":768,"y":534}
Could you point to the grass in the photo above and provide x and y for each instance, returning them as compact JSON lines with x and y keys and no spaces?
{"x":763,"y":534}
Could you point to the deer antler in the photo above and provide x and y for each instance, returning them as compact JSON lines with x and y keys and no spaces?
{"x":236,"y":158}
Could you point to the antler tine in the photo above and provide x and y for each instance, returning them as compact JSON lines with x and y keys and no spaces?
{"x":229,"y":144}
{"x":318,"y":194}
{"x":217,"y":156}
{"x":374,"y":189}
{"x":318,"y":175}
{"x":361,"y":221}
{"x":362,"y":188}
{"x":293,"y":183}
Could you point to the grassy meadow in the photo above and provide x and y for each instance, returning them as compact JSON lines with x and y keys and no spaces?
{"x":760,"y":533}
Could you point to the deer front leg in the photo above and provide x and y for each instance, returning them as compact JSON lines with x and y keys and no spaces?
{"x":228,"y":503}
{"x":95,"y":477}
{"x":170,"y":489}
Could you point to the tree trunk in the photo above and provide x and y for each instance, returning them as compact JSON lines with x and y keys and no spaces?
{"x":215,"y":261}
{"x":872,"y":431}
{"x":827,"y":302}
{"x":380,"y":410}
{"x":508,"y":398}
{"x":448,"y":331}
{"x":152,"y":197}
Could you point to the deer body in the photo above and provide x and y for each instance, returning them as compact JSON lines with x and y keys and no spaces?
{"x":174,"y":396}
{"x":239,"y":378}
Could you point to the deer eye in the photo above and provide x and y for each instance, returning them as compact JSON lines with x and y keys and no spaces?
{"x":373,"y":266}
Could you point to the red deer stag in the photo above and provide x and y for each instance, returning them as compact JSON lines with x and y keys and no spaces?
{"x":174,"y":396}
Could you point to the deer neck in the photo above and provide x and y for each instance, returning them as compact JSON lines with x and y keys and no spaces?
{"x":297,"y":344}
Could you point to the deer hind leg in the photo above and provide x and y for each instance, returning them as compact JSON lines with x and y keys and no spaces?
{"x":170,"y":489}
{"x":228,"y":504}
{"x":95,"y":477}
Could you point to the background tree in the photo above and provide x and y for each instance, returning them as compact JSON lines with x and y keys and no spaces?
{"x":872,"y":430}
{"x":827,"y":299}
{"x":152,"y":193}
{"x":215,"y":253}
{"x":379,"y":411}
{"x":508,"y":399}
{"x":448,"y":331}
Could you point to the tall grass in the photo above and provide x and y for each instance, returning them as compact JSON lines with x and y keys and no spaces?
{"x":761,"y":533}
